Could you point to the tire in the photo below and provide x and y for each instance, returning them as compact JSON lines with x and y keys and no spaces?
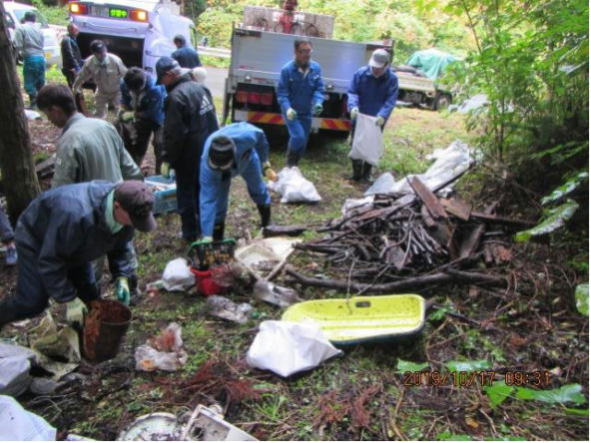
{"x":442,"y":101}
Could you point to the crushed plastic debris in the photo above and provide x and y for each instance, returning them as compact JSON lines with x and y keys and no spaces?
{"x":164,"y":351}
{"x":224,"y":308}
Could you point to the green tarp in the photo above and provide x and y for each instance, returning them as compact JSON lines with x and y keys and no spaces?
{"x":431,"y":62}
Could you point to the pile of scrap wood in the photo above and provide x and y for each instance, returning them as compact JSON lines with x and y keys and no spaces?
{"x":401,"y":242}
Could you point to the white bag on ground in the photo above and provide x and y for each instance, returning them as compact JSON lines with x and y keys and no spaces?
{"x":293,"y":187}
{"x":16,"y":423}
{"x":177,"y":276}
{"x":288,"y":347}
{"x":368,"y":141}
{"x":15,"y":363}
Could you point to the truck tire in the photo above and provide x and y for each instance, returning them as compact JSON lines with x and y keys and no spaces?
{"x":442,"y":101}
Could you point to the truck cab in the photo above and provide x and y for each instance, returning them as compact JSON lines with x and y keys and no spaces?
{"x":138,"y":31}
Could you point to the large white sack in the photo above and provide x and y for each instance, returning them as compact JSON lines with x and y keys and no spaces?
{"x":368,"y":140}
{"x":288,"y":347}
{"x":293,"y":187}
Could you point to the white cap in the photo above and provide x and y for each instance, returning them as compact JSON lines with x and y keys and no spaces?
{"x":379,"y":58}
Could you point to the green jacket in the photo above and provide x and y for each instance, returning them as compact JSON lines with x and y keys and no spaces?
{"x":91,"y":149}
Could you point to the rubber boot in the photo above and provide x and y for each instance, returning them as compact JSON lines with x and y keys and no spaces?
{"x":357,"y":169}
{"x":32,"y":101}
{"x":134,"y":291}
{"x":265,"y":212}
{"x":218,"y":231}
{"x":293,"y":158}
{"x":366,"y":174}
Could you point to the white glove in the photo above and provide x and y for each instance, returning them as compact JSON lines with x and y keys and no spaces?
{"x":291,"y":114}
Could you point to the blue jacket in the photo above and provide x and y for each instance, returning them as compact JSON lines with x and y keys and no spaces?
{"x":151,"y":103}
{"x":299,"y":92}
{"x":66,"y":227}
{"x":252,"y":150}
{"x":373,"y":96}
{"x":187,"y":57}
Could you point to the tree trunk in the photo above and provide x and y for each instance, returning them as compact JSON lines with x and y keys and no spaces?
{"x":16,"y":160}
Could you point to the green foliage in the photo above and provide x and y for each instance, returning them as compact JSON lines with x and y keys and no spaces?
{"x":565,"y":394}
{"x":554,"y":220}
{"x":409,"y":366}
{"x":498,"y":392}
{"x":531,"y":61}
{"x":582,"y":298}
{"x":55,"y":15}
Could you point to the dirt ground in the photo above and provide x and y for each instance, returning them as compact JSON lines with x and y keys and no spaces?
{"x":532,"y":326}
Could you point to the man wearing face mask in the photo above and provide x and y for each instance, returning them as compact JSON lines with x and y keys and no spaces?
{"x":373,"y":91}
{"x":106,"y":70}
{"x":237,"y":149}
{"x":300,"y":94}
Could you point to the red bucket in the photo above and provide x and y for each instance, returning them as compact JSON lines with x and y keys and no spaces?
{"x":205,"y":283}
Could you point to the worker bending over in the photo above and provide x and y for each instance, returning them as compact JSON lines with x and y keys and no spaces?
{"x":237,"y":149}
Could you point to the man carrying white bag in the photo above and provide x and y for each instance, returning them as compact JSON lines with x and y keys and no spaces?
{"x":371,"y":99}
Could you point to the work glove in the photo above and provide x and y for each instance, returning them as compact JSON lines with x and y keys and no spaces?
{"x":165,"y":169}
{"x":291,"y":114}
{"x":122,"y":290}
{"x":354,"y":113}
{"x":380,"y":121}
{"x":317,"y":109}
{"x":75,"y":311}
{"x":269,"y":172}
{"x":127,"y":116}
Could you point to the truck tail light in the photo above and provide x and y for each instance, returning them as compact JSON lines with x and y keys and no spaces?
{"x":139,"y":15}
{"x":242,"y":97}
{"x":254,"y":98}
{"x":77,"y":8}
{"x":267,"y":98}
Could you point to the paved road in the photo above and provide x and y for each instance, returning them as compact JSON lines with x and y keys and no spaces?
{"x":215,"y":81}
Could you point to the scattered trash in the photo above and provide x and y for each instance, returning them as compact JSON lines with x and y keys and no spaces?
{"x":105,"y":325}
{"x":177,"y":275}
{"x":164,"y":193}
{"x":287,"y":348}
{"x":265,"y":258}
{"x":383,"y":185}
{"x":204,"y":424}
{"x":159,"y":426}
{"x":44,"y":386}
{"x":226,"y":309}
{"x":15,"y":363}
{"x":274,"y":294}
{"x":368,"y":140}
{"x":449,"y":164}
{"x":16,"y":423}
{"x":362,"y":319}
{"x":164,"y":351}
{"x":58,"y":350}
{"x":478,"y":101}
{"x":293,"y":187}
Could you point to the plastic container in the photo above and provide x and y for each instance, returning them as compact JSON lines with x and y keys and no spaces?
{"x":104,"y":328}
{"x":362,"y":319}
{"x":164,"y":194}
{"x":205,"y":283}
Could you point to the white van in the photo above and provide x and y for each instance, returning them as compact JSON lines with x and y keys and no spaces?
{"x":15,"y":13}
{"x":138,"y":31}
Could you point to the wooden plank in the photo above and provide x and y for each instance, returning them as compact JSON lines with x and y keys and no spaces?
{"x":429,"y":222}
{"x":457,"y":207}
{"x":471,"y":241}
{"x":428,"y":198}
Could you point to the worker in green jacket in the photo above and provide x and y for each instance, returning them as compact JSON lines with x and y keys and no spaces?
{"x":89,"y":149}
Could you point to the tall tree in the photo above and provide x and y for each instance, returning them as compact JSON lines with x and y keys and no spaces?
{"x":16,"y":159}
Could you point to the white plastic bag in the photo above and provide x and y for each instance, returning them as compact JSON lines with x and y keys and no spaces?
{"x":368,"y":141}
{"x":16,"y":423}
{"x":15,"y":363}
{"x":293,"y":187}
{"x":287,"y":347}
{"x":177,"y":276}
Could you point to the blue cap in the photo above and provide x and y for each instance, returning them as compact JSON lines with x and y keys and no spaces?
{"x":163,"y":65}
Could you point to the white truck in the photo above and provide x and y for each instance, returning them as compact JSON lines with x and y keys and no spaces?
{"x":138,"y":31}
{"x":260,"y":48}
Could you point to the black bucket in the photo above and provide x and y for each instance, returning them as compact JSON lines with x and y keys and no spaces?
{"x":104,"y":328}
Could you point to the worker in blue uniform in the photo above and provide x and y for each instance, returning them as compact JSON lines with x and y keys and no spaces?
{"x":300,"y":94}
{"x":373,"y":91}
{"x":237,"y":149}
